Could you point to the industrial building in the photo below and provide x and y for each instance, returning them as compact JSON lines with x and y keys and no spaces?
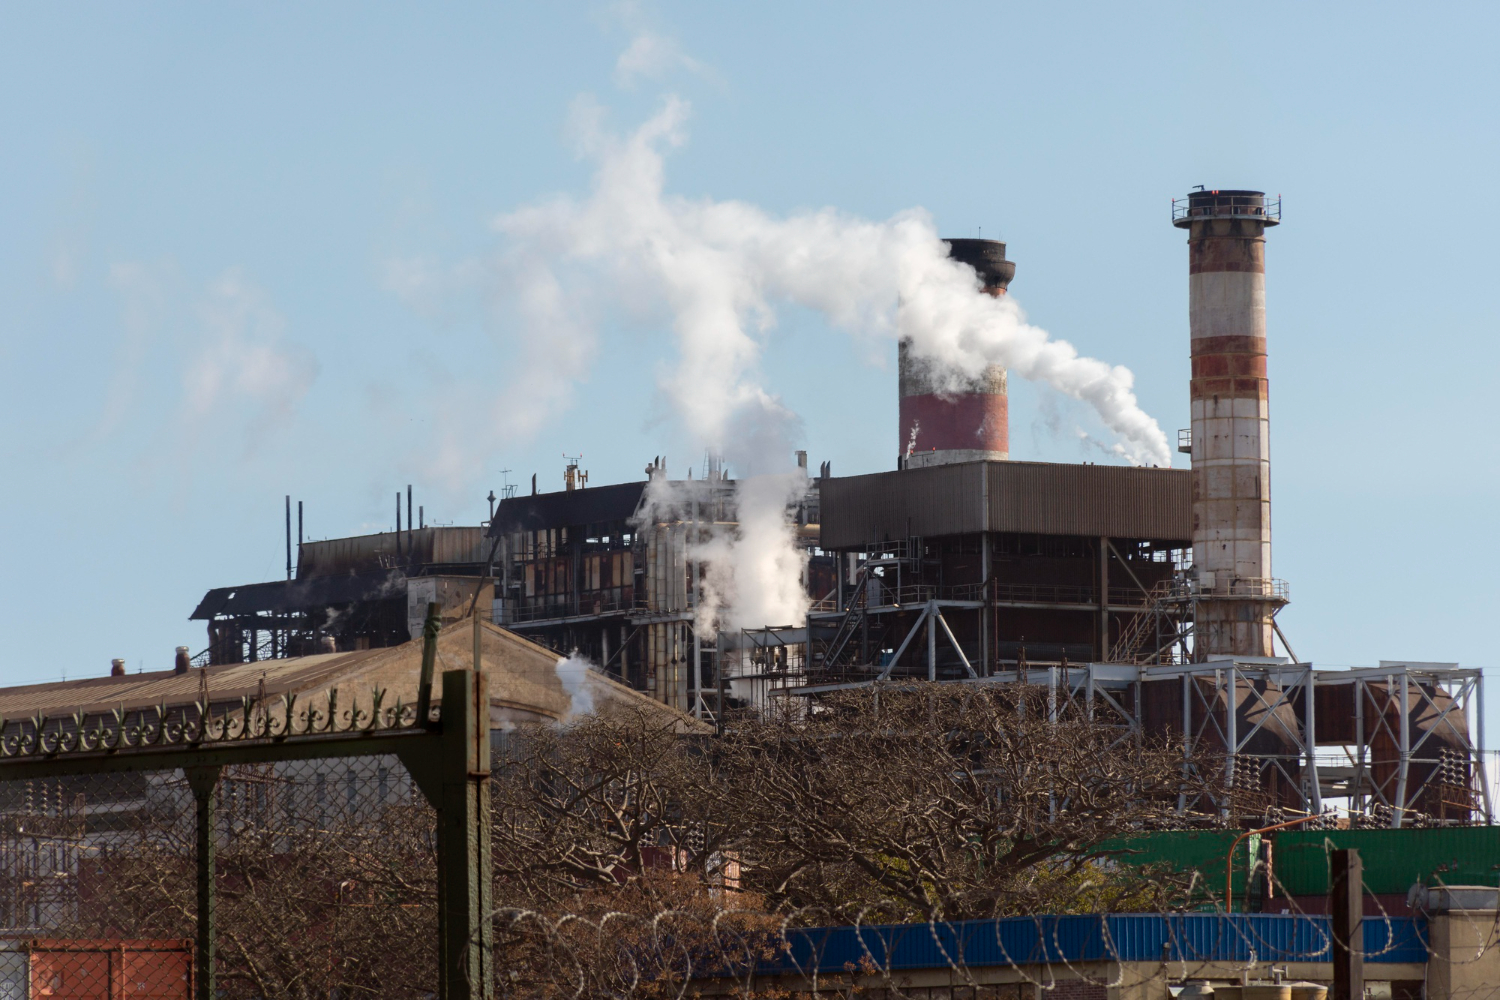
{"x":1144,"y":594}
{"x":614,"y":573}
{"x":349,"y":594}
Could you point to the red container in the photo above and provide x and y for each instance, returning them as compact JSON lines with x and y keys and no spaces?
{"x":111,"y":970}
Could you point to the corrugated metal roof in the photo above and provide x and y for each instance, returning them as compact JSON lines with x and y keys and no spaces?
{"x":292,"y":595}
{"x":524,"y":685}
{"x":1031,"y":497}
{"x":592,"y":505}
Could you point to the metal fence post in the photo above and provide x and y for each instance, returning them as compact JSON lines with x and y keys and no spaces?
{"x":1346,"y":905}
{"x":204,"y":781}
{"x":464,"y":866}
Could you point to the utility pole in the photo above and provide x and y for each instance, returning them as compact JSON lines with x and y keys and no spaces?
{"x":1347,"y":906}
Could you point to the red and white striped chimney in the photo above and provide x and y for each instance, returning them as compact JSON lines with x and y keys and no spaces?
{"x":971,"y":422}
{"x":1231,"y":428}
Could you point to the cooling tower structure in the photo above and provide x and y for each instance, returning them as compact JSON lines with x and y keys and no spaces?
{"x":1230,"y":443}
{"x":965,"y":419}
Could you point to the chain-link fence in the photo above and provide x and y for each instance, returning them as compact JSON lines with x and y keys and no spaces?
{"x":325,"y":879}
{"x":925,"y":848}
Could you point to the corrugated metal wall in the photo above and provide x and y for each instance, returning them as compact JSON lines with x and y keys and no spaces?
{"x":1118,"y":501}
{"x":1393,"y":859}
{"x":1029,"y":497}
{"x":942,"y":500}
{"x":336,"y":556}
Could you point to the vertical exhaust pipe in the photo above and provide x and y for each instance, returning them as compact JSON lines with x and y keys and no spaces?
{"x":1231,"y":430}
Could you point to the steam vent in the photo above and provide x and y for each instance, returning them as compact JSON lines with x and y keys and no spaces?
{"x":943,"y":422}
{"x":1230,"y":443}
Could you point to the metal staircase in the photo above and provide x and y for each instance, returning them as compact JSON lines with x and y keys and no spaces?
{"x":1141,"y":629}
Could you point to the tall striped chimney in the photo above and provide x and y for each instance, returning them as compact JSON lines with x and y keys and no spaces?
{"x":969,"y":422}
{"x":1231,"y":441}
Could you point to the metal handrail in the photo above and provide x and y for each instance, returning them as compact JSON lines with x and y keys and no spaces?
{"x":1182,"y":208}
{"x":584,"y":605}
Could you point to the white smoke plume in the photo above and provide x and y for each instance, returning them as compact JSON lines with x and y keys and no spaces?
{"x":718,"y":269}
{"x":573,"y":672}
{"x":752,"y":566}
{"x":243,"y":360}
{"x":721,"y":267}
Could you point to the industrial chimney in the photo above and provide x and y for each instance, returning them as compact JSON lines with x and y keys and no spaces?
{"x":968,"y":424}
{"x":1230,"y":444}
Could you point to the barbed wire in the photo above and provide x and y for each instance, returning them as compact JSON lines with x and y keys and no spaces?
{"x":327,"y":884}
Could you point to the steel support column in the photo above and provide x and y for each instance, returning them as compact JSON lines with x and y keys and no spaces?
{"x":931,"y":641}
{"x":466,"y":938}
{"x":1103,"y":598}
{"x":1231,"y":730}
{"x":1484,"y":776}
{"x":1310,"y":737}
{"x":204,"y":781}
{"x":1405,"y":762}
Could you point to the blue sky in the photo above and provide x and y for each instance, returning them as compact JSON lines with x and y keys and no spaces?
{"x":206,"y":212}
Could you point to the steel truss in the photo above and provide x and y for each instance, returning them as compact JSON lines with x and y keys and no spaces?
{"x":1226,"y":705}
{"x":1386,"y":700}
{"x":1228,"y":708}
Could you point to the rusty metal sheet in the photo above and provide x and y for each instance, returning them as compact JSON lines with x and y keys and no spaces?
{"x":1029,"y":497}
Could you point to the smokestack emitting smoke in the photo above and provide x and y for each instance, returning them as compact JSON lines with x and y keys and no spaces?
{"x":940,"y":425}
{"x":719,"y":269}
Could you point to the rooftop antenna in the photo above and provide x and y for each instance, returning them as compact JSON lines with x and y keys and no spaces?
{"x":507,"y":488}
{"x":288,"y":536}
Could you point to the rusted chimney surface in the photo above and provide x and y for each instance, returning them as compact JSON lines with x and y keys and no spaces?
{"x":969,"y":421}
{"x":183,"y":663}
{"x":117,"y":668}
{"x":1231,"y":440}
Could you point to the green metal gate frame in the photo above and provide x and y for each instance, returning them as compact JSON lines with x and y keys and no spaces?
{"x":448,"y":760}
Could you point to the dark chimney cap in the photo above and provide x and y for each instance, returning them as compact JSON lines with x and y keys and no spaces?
{"x":987,"y":257}
{"x":117,"y":668}
{"x":183,"y":661}
{"x":1223,"y":203}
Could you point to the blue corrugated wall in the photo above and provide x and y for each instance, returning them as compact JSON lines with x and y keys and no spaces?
{"x":1252,"y":937}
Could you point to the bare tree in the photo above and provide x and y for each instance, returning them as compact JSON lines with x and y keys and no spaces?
{"x":604,"y":803}
{"x":933,"y":803}
{"x":948,"y":803}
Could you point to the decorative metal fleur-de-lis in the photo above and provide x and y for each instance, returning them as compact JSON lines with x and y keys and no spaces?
{"x":161,"y":733}
{"x":377,"y":695}
{"x":288,"y":701}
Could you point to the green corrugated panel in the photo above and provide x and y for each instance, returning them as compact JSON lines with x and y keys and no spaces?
{"x":1393,"y":859}
{"x":1205,"y":851}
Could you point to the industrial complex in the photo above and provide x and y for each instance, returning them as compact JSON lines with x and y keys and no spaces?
{"x":333,"y":749}
{"x":1142,"y":595}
